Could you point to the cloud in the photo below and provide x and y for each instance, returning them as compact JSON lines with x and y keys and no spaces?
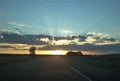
{"x":99,"y":34}
{"x":19,"y":28}
{"x":60,"y":42}
{"x":8,"y":31}
{"x":88,"y":47}
{"x":95,"y":33}
{"x":65,"y":32}
{"x":101,"y":39}
{"x":56,"y":42}
{"x":97,"y":49}
{"x":15,"y":24}
{"x":102,"y":43}
{"x":45,"y":40}
{"x":7,"y":46}
{"x":90,"y":39}
{"x":4,"y":30}
{"x":1,"y":36}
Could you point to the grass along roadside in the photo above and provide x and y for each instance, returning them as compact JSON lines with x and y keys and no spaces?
{"x":6,"y":59}
{"x":109,"y":62}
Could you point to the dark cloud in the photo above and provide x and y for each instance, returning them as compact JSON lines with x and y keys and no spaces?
{"x":85,"y":43}
{"x":85,"y":47}
{"x":7,"y":46}
{"x":50,"y":40}
{"x":112,"y":48}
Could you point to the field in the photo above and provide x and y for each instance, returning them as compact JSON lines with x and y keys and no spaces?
{"x":109,"y":62}
{"x":9,"y":58}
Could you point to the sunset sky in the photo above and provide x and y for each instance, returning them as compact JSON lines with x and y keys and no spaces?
{"x":97,"y":20}
{"x":60,"y":17}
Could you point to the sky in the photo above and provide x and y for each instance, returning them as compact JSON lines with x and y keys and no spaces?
{"x":60,"y":17}
{"x":90,"y":25}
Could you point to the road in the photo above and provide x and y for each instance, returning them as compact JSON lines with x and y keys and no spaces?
{"x":54,"y":68}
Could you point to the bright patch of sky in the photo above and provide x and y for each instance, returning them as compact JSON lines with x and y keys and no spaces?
{"x":60,"y":17}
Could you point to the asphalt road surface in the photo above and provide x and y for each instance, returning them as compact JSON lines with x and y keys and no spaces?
{"x":54,"y":68}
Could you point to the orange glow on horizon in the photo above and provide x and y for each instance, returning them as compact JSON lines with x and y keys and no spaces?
{"x":57,"y":52}
{"x":45,"y":52}
{"x":53,"y":52}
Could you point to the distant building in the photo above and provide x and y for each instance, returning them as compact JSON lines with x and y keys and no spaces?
{"x":74,"y":53}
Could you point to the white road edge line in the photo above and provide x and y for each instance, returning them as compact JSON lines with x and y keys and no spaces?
{"x":79,"y":72}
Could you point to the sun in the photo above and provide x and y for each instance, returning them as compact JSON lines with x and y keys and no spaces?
{"x":57,"y":52}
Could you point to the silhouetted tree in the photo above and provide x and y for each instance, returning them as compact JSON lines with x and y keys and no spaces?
{"x":32,"y":51}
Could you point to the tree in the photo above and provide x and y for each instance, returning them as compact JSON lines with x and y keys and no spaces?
{"x":32,"y":51}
